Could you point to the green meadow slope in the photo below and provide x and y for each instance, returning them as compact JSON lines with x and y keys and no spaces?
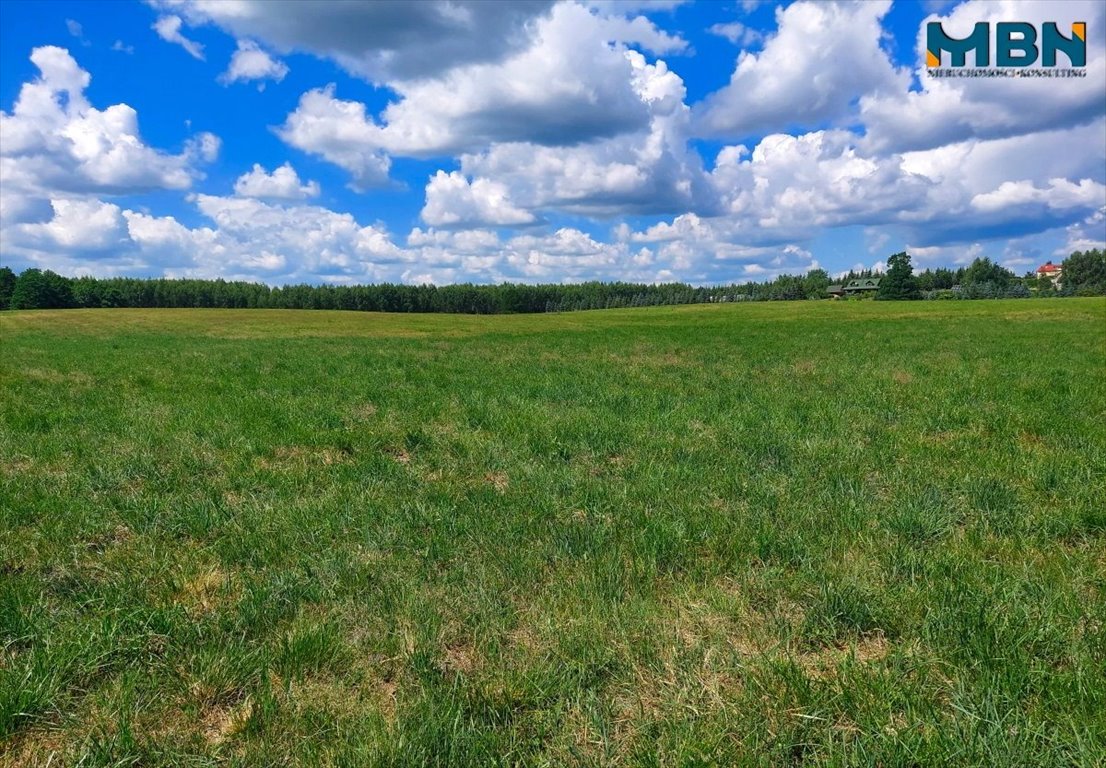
{"x":762,"y":534}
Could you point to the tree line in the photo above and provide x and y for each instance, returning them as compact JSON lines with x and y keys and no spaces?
{"x":1084,"y":273}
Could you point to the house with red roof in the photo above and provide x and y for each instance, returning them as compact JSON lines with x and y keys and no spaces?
{"x":1049,"y":275}
{"x":1049,"y":270}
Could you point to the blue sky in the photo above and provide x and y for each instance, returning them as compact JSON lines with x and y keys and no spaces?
{"x":532,"y":141}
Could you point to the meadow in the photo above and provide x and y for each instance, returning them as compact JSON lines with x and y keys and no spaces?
{"x":803,"y":533}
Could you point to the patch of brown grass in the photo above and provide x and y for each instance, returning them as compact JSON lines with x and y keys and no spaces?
{"x":222,"y":723}
{"x":52,"y":376}
{"x":33,"y":748}
{"x":609,"y":465}
{"x":205,"y":591}
{"x":286,"y":458}
{"x":698,"y":640}
{"x":497,"y":480}
{"x":824,"y":663}
{"x":704,"y":679}
{"x":104,"y":541}
{"x":363,"y":412}
{"x":1031,"y":440}
{"x":351,"y":695}
{"x":523,"y":638}
{"x":32,"y":468}
{"x":388,"y":700}
{"x":461,"y":658}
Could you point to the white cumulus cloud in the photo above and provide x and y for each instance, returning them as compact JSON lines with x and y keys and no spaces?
{"x":453,"y":200}
{"x":55,"y":141}
{"x":282,"y":184}
{"x":250,"y":62}
{"x":79,"y":225}
{"x":575,"y":82}
{"x":341,"y":132}
{"x":823,"y":57}
{"x":650,"y":170}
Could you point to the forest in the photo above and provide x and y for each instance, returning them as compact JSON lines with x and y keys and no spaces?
{"x":1084,"y":274}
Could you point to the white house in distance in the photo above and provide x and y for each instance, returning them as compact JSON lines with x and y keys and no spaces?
{"x":1052,"y":271}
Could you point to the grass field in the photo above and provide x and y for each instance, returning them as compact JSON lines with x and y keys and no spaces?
{"x":771,"y":534}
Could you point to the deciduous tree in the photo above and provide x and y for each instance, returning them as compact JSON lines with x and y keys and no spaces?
{"x":1085,"y":272}
{"x":986,"y":271}
{"x":7,"y":285}
{"x":899,"y":283}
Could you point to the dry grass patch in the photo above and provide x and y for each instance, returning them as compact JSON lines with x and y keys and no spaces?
{"x":944,"y":437}
{"x":696,"y":683}
{"x":104,"y":541}
{"x":233,"y":499}
{"x":287,"y":458}
{"x":51,"y":376}
{"x":363,"y":412}
{"x":603,"y":466}
{"x":824,"y":663}
{"x":1032,"y":441}
{"x":34,"y":748}
{"x":700,"y":644}
{"x":362,"y":689}
{"x":497,"y":480}
{"x":461,"y":658}
{"x":223,"y":723}
{"x":524,"y":639}
{"x":205,"y":591}
{"x":24,"y":466}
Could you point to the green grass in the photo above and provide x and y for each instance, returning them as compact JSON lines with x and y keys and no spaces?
{"x":771,"y":534}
